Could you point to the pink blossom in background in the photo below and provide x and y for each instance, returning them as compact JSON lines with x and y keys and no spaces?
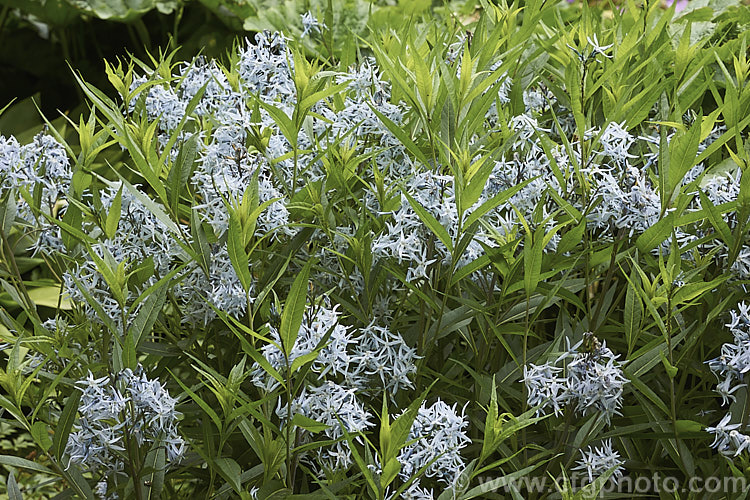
{"x":681,"y":4}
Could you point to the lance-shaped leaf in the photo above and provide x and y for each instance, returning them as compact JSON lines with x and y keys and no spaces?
{"x":294,"y":310}
{"x":237,"y":253}
{"x":430,"y":221}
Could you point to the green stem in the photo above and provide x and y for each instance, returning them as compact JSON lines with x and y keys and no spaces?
{"x":134,"y":465}
{"x":3,"y":19}
{"x":672,"y":399}
{"x":65,"y":45}
{"x":174,"y":43}
{"x":525,"y":349}
{"x":746,"y":410}
{"x":288,"y":426}
{"x":13,"y":270}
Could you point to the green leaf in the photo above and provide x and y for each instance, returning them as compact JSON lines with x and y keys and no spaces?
{"x":717,"y":221}
{"x":103,"y":316}
{"x":490,"y":425}
{"x":154,"y":207}
{"x":113,"y":217}
{"x":394,"y":436}
{"x":17,"y":413}
{"x":399,"y":133}
{"x":14,"y":492}
{"x":40,"y":433}
{"x":685,"y":426}
{"x":469,"y":268}
{"x":200,"y":241}
{"x":122,"y":10}
{"x":671,"y":369}
{"x":285,"y":124}
{"x":308,"y":424}
{"x":294,"y":309}
{"x":56,"y":13}
{"x":310,"y":100}
{"x":7,"y":214}
{"x":495,"y":201}
{"x":532,"y":262}
{"x":633,"y":314}
{"x":572,"y":238}
{"x":230,"y":470}
{"x":431,"y":222}
{"x":202,"y":403}
{"x":71,"y":224}
{"x":22,"y":463}
{"x":65,"y":424}
{"x":237,"y":253}
{"x":499,"y":483}
{"x":148,"y":313}
{"x":155,"y":466}
{"x":363,"y":466}
{"x":743,"y":198}
{"x":656,"y":234}
{"x":49,"y":296}
{"x":74,"y":477}
{"x":452,"y":320}
{"x":691,"y":291}
{"x":390,"y":471}
{"x":503,"y":427}
{"x":129,"y":356}
{"x":181,"y":170}
{"x":683,"y":150}
{"x":300,"y":361}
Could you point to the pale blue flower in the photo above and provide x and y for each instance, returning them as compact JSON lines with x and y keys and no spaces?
{"x":598,"y":460}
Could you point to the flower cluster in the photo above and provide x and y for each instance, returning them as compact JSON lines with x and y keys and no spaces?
{"x":310,"y":24}
{"x":382,"y":358}
{"x":406,"y":239}
{"x":115,"y":414}
{"x":350,"y":362}
{"x":727,"y":439}
{"x":414,"y":492}
{"x":732,"y":365}
{"x":243,"y":164}
{"x":332,"y":357}
{"x":731,"y":369}
{"x":243,"y":156}
{"x":363,"y":359}
{"x":591,"y":379}
{"x":218,"y":287}
{"x":42,"y":163}
{"x":338,"y":408}
{"x":597,"y":461}
{"x":440,"y":434}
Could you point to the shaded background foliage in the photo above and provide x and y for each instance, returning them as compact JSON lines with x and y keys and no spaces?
{"x":81,"y":34}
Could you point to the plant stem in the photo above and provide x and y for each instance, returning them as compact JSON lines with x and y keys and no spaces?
{"x":672,"y":401}
{"x":13,"y":270}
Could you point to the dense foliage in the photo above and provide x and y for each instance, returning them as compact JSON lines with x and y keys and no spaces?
{"x":437,"y":261}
